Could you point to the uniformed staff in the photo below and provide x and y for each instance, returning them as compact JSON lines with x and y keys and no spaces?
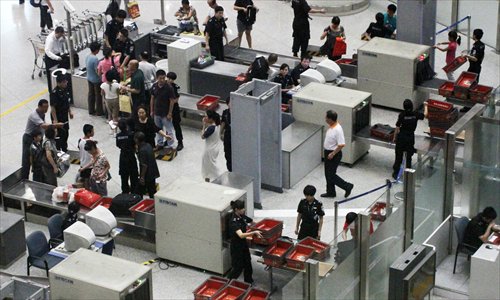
{"x":240,"y":253}
{"x":404,"y":136}
{"x":300,"y":25}
{"x":214,"y":32}
{"x":113,"y":27}
{"x":60,"y":110}
{"x":128,"y":163}
{"x":310,"y":215}
{"x":126,"y":47}
{"x":477,"y":53}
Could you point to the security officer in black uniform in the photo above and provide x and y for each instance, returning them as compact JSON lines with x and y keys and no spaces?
{"x":240,"y":253}
{"x":126,"y":47}
{"x":60,"y":110}
{"x":310,"y":215}
{"x":477,"y":53}
{"x":113,"y":27}
{"x":404,"y":136}
{"x":127,"y":167}
{"x":214,"y":32}
{"x":225,"y":134}
{"x":300,"y":25}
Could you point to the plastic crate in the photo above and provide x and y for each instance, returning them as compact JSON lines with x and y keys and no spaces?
{"x":240,"y":284}
{"x":145,"y":205}
{"x":446,"y":89}
{"x":466,"y":81}
{"x":455,"y":64}
{"x":437,"y":132}
{"x":449,"y":116}
{"x":221,"y":279}
{"x":377,"y":211}
{"x":285,"y":107}
{"x":321,"y":250}
{"x":460,"y":94}
{"x":106,"y":202}
{"x":87,"y":198}
{"x":438,"y":106}
{"x":480,"y":93}
{"x":208,"y":289}
{"x":275,"y":254}
{"x":297,"y":257}
{"x":208,"y":102}
{"x":256,"y":294}
{"x":229,"y":293}
{"x":270,"y":229}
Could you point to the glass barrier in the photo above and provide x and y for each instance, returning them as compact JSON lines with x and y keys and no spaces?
{"x":429,"y":193}
{"x":294,"y":289}
{"x":343,"y":281}
{"x":386,"y":243}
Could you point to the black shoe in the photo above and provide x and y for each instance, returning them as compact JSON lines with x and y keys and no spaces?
{"x":326,"y":195}
{"x":257,"y":205}
{"x":180,"y":146}
{"x":348,"y":191}
{"x":395,"y":176}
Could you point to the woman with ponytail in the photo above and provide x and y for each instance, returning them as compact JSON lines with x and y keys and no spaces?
{"x":453,"y":41}
{"x":210,"y":134}
{"x":240,"y":253}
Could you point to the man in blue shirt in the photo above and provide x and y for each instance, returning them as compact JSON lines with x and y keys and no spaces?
{"x":94,"y":80}
{"x":390,"y":20}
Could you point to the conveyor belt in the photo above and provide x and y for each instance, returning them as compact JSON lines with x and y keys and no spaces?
{"x":431,"y":86}
{"x":246,"y":56}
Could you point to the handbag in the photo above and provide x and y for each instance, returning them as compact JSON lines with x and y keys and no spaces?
{"x":63,"y":163}
{"x":125,"y":103}
{"x":133,"y":9}
{"x":340,"y":47}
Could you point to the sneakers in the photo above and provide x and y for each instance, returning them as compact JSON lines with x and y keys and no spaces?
{"x":112,"y":125}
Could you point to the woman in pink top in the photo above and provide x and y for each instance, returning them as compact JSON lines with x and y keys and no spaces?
{"x":106,"y":64}
{"x":453,"y":42}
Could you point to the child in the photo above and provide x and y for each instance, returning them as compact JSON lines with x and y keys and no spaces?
{"x":176,"y":114}
{"x":453,"y":42}
{"x":128,"y":162}
{"x":36,"y":155}
{"x":85,"y":157}
{"x":350,"y":225}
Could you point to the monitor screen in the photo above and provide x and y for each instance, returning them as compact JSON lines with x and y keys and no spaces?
{"x":100,"y":220}
{"x":77,"y":236}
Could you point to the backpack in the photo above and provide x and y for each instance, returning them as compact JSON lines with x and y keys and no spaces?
{"x":35,"y":3}
{"x":122,"y":202}
{"x":113,"y":71}
{"x":112,"y":8}
{"x":259,"y":69}
{"x":251,"y":14}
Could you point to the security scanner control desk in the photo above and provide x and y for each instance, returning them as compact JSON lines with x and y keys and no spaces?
{"x":218,"y":79}
{"x":485,"y":273}
{"x":12,"y":238}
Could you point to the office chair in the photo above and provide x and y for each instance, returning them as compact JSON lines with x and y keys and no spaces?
{"x":38,"y":253}
{"x":460,"y":226}
{"x":55,"y":230}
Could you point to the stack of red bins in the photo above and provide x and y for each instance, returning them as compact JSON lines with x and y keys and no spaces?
{"x":464,"y":83}
{"x":218,"y":288}
{"x":270,"y":229}
{"x":275,"y":254}
{"x":321,"y":250}
{"x":480,"y":93}
{"x":441,"y":116}
{"x":297,"y":257}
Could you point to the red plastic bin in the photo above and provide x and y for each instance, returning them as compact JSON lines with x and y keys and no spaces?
{"x":240,"y":284}
{"x":229,"y":293}
{"x":208,"y":102}
{"x":455,"y":64}
{"x":376,"y":211}
{"x":208,"y":289}
{"x":438,"y":132}
{"x":345,"y":61}
{"x":446,"y":89}
{"x":87,"y":198}
{"x":297,"y":257}
{"x":466,"y":81}
{"x":275,"y":254}
{"x":218,"y":278}
{"x":438,"y":106}
{"x":480,"y":93}
{"x":145,"y":205}
{"x":321,"y":250}
{"x":270,"y":229}
{"x":106,"y":202}
{"x":256,"y":294}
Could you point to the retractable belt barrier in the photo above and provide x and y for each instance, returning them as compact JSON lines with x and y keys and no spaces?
{"x":452,"y":25}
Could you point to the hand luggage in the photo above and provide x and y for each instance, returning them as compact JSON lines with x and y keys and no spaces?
{"x":87,"y":198}
{"x":340,"y":47}
{"x":383,"y":131}
{"x":122,"y":202}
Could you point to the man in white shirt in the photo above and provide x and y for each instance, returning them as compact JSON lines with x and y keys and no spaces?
{"x":46,"y":9}
{"x":53,"y":49}
{"x":149,"y":71}
{"x":334,"y":142}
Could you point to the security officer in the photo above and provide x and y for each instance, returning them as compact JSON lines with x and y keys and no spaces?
{"x":300,"y":68}
{"x":240,"y":253}
{"x":214,"y":32}
{"x":477,"y":53}
{"x":60,"y":110}
{"x":404,"y":136}
{"x":300,"y":25}
{"x":126,"y":47}
{"x":310,"y":215}
{"x":113,"y":27}
{"x":128,"y":163}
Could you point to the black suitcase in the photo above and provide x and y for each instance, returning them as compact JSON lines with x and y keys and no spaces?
{"x":122,"y":202}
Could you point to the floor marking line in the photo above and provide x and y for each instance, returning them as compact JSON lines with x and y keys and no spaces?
{"x":23,"y":103}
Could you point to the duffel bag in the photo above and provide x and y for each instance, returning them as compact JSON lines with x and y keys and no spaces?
{"x":122,"y":202}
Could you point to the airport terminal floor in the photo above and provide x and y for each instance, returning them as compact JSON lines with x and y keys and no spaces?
{"x":271,"y":33}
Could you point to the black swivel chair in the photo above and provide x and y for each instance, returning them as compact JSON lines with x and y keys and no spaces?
{"x":460,"y":226}
{"x":38,"y":253}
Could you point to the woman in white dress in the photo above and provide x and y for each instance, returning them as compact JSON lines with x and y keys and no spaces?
{"x":210,"y":133}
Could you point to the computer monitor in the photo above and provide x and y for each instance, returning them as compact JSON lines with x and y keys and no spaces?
{"x":311,"y":75}
{"x":329,"y":69}
{"x":100,"y":220}
{"x":77,"y":236}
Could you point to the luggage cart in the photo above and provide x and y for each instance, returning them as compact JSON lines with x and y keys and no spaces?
{"x":39,"y":62}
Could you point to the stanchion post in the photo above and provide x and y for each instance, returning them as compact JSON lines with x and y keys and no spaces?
{"x":363,"y":233}
{"x":468,"y":34}
{"x":335,"y":222}
{"x":312,"y":279}
{"x":70,"y":39}
{"x":409,"y":202}
{"x":388,"y":205}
